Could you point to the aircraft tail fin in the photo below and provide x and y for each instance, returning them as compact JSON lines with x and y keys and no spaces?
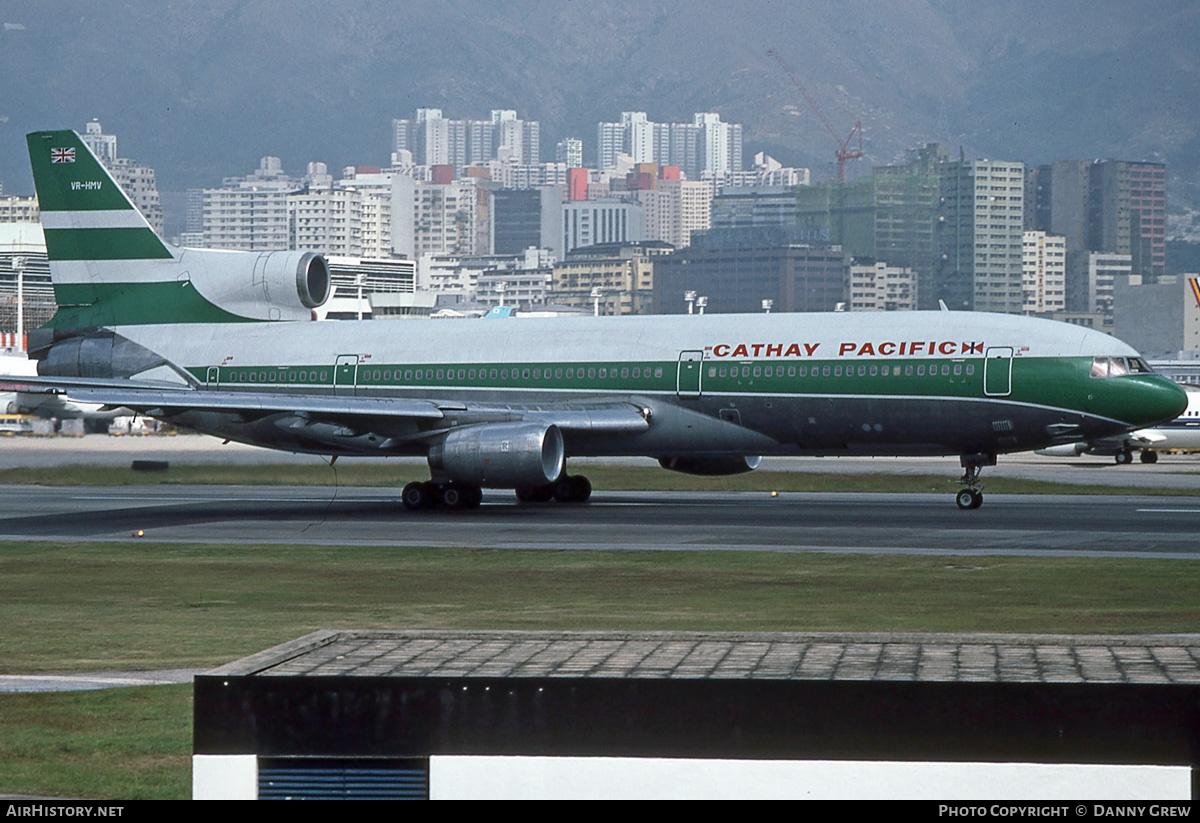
{"x":102,"y":251}
{"x":85,"y":214}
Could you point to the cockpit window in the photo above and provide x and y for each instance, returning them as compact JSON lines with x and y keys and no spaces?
{"x":1118,"y":366}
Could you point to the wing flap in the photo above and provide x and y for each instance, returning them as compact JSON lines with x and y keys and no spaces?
{"x":146,"y":396}
{"x":204,"y":400}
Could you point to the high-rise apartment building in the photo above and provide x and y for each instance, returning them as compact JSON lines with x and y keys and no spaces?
{"x":719,"y":145}
{"x":19,"y":210}
{"x":436,"y":218}
{"x":327,"y":219}
{"x":374,"y":186}
{"x":1043,"y":273}
{"x":981,"y":235}
{"x":1094,"y":294}
{"x":435,"y":140}
{"x":1148,"y":216}
{"x":610,"y":141}
{"x":674,"y":208}
{"x":249,"y":213}
{"x":695,"y":208}
{"x":104,"y":146}
{"x":575,"y":224}
{"x":569,"y":151}
{"x":1115,"y":206}
{"x":684,"y":149}
{"x":877,"y":286}
{"x":268,"y":211}
{"x":705,"y":145}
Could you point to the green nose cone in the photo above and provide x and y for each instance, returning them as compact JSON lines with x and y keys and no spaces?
{"x":1154,"y":400}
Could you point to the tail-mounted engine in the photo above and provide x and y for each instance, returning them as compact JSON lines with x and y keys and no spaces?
{"x":279,"y":285}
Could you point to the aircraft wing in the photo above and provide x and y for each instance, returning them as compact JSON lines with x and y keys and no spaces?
{"x":159,"y":399}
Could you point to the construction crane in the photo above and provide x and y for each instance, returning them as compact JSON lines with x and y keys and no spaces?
{"x":844,"y":151}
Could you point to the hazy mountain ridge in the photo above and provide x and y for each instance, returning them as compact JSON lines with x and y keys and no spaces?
{"x":202,"y":90}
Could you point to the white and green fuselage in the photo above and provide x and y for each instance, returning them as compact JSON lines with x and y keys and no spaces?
{"x":222,"y":341}
{"x":781,"y":384}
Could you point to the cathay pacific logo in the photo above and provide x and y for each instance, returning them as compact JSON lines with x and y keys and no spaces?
{"x":885,"y":348}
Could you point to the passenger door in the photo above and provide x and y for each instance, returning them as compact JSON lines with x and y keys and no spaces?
{"x":345,"y":374}
{"x":687,"y":381}
{"x":997,"y":371}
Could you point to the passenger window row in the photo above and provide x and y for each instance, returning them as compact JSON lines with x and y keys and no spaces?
{"x":863,"y":370}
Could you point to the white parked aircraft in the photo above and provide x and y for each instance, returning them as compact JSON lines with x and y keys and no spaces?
{"x":40,"y":403}
{"x":223,"y":342}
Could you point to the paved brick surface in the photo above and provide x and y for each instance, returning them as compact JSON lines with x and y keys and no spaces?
{"x":775,"y":656}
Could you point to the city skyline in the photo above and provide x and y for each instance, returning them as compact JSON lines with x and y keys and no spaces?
{"x":935,"y":229}
{"x":213,"y":87}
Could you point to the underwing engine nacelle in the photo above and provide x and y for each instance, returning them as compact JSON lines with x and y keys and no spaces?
{"x":1067,"y":450}
{"x":500,"y":455}
{"x":711,"y":466}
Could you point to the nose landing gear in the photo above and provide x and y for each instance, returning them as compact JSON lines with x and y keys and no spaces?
{"x":971,"y":497}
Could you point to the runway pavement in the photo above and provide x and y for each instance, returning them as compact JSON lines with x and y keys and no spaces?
{"x":1178,"y":471}
{"x":1142,"y":526}
{"x":1135,"y":526}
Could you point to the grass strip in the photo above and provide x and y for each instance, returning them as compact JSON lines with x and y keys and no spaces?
{"x":79,"y":607}
{"x":112,"y":744}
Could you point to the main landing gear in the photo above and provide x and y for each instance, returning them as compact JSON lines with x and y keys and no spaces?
{"x":429,"y":495}
{"x":971,"y":497}
{"x":567,"y":489}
